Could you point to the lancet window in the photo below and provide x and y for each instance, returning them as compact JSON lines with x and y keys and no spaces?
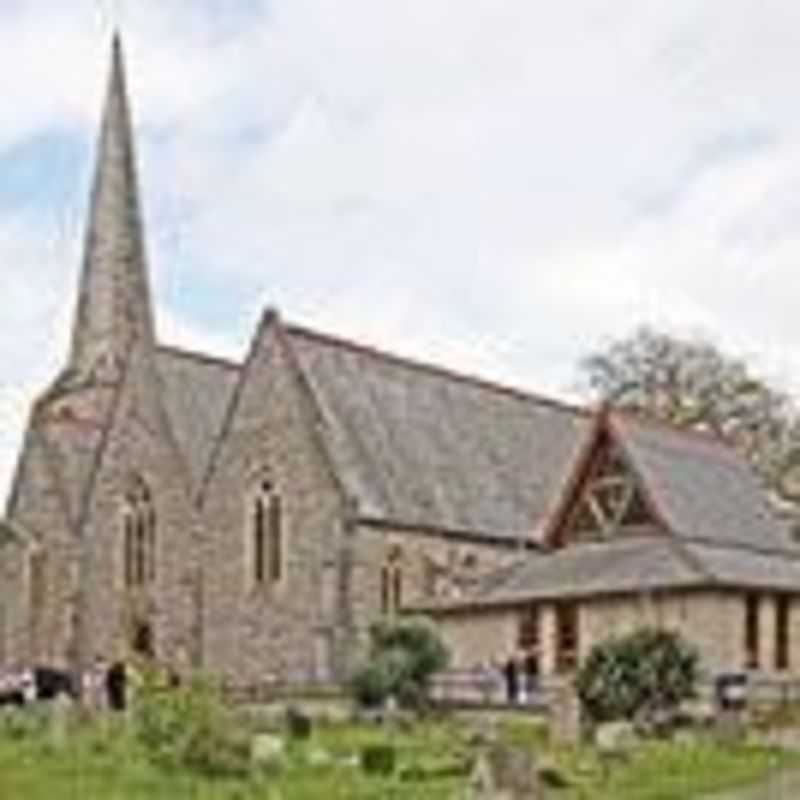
{"x":267,"y":535}
{"x":392,"y":582}
{"x":140,"y":535}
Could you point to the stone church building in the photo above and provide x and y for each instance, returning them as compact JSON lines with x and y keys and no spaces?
{"x":252,"y":519}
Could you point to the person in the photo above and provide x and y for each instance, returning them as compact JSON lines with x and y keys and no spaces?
{"x":531,"y":669}
{"x":522,"y":679}
{"x":96,"y":690}
{"x":27,"y":683}
{"x":116,"y":687}
{"x":10,"y":691}
{"x":512,"y":680}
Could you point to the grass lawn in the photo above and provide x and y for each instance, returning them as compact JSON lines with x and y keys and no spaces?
{"x":104,"y":763}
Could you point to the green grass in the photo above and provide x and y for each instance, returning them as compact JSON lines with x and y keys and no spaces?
{"x":104,"y":763}
{"x":670,"y":771}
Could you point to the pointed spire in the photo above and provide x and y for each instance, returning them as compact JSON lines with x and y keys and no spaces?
{"x":114,"y":296}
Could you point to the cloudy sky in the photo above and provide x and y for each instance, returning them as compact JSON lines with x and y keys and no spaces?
{"x":498,"y":185}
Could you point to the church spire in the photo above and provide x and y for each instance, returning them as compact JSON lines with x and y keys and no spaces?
{"x":114,"y":296}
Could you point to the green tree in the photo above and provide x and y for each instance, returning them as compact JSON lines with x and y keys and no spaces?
{"x":403,"y":658}
{"x":645,"y":672}
{"x":691,"y":383}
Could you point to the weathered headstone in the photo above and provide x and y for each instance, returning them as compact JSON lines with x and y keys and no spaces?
{"x":298,"y":723}
{"x":267,"y":751}
{"x":503,"y":772}
{"x":318,"y":757}
{"x":615,"y":739}
{"x":565,"y":714}
{"x":60,"y":713}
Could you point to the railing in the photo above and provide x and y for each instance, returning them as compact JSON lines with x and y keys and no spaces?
{"x":484,"y":689}
{"x":271,"y":690}
{"x":487,"y":689}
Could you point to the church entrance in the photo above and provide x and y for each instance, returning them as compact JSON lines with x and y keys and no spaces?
{"x":142,"y":640}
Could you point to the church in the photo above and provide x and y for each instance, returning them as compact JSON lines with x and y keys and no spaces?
{"x":253,"y":519}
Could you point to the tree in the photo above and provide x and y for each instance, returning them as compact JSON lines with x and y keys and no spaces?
{"x":638,"y":675}
{"x":403,"y":658}
{"x":689,"y":382}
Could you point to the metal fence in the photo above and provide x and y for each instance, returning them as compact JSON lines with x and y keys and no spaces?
{"x":485,"y":689}
{"x":488,"y":689}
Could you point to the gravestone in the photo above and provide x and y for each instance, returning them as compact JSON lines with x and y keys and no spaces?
{"x":503,"y":772}
{"x":60,"y":716}
{"x":615,"y":740}
{"x":565,"y":714}
{"x":267,"y":751}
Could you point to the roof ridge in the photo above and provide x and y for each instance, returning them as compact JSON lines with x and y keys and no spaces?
{"x":435,"y":369}
{"x":197,"y":355}
{"x":645,"y":419}
{"x":267,"y":320}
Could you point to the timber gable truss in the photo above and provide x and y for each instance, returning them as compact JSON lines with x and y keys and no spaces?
{"x":606,"y":499}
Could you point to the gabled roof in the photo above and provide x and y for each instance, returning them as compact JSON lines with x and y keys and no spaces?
{"x":417,"y":444}
{"x":197,"y":392}
{"x":751,"y":569}
{"x":620,"y":567}
{"x":412,"y":444}
{"x":701,"y":487}
{"x":716,"y":528}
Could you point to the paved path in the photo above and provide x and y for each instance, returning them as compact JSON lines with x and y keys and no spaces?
{"x":783,"y":786}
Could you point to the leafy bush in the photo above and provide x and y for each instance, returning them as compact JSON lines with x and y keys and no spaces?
{"x":639,"y":675}
{"x":403,"y":658}
{"x":298,"y":724}
{"x":188,"y":727}
{"x":23,"y":723}
{"x":378,"y":759}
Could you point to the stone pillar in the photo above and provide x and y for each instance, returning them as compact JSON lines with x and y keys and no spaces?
{"x":767,"y":630}
{"x":548,"y":641}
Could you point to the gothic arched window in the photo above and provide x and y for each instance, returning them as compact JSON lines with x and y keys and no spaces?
{"x":140,"y":541}
{"x":267,"y":535}
{"x":392,"y":582}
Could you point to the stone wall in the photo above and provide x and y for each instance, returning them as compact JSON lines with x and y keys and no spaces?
{"x":432,"y":565}
{"x":39,"y":507}
{"x":82,"y":545}
{"x":712,"y":620}
{"x":140,"y":445}
{"x":481,"y":637}
{"x":295,"y":629}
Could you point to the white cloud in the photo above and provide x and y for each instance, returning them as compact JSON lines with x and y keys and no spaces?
{"x":497,"y":184}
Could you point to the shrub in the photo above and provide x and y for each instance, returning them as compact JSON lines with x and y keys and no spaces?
{"x":188,"y":727}
{"x":403,"y":658}
{"x":298,"y":724}
{"x":378,"y":759}
{"x":23,"y":723}
{"x":372,"y":684}
{"x":639,"y":675}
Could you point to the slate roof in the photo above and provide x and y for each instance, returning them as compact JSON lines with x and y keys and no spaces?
{"x":620,"y":567}
{"x":415,"y":444}
{"x":197,"y":392}
{"x":421,"y":445}
{"x":718,"y":529}
{"x":701,"y":487}
{"x":738,"y":566}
